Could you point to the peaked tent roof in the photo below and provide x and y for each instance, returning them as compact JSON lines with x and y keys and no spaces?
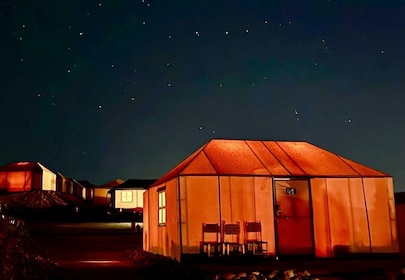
{"x":267,"y":158}
{"x":135,"y":184}
{"x":24,"y":166}
{"x":86,"y":184}
{"x":111,"y":184}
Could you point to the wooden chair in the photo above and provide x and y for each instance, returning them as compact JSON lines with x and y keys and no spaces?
{"x":211,"y":239}
{"x":253,"y":238}
{"x":230,"y":238}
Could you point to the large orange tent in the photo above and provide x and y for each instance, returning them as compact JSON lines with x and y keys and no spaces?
{"x":310,"y":201}
{"x":26,"y":176}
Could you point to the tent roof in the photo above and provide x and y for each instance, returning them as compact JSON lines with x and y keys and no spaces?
{"x":140,"y":184}
{"x":86,"y":184}
{"x":23,"y":166}
{"x":111,"y":184}
{"x":267,"y":158}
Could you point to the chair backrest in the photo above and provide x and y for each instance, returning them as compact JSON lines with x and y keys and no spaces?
{"x":211,"y":232}
{"x":231,"y":232}
{"x":252,"y":230}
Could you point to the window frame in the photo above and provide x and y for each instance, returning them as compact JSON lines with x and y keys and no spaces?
{"x":125,"y":194}
{"x":162,"y":214}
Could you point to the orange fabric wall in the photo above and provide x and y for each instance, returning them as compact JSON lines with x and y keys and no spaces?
{"x":250,"y":199}
{"x":171,"y":234}
{"x":165,"y":239}
{"x":322,"y":238}
{"x":18,"y":181}
{"x":264,"y":210}
{"x":151,"y":233}
{"x":379,"y":193}
{"x":237,"y":199}
{"x":145,"y":218}
{"x":341,"y":221}
{"x":347,"y":215}
{"x":199,"y":203}
{"x":348,"y":211}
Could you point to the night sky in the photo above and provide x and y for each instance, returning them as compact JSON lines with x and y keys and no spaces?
{"x":100,"y":90}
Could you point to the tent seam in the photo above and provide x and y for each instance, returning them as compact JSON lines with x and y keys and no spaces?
{"x":265,"y":167}
{"x":291,"y":159}
{"x":351,"y":167}
{"x":288,"y":171}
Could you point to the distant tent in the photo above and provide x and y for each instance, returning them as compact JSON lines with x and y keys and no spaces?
{"x":129,"y":194}
{"x":101,"y":196}
{"x":26,"y":176}
{"x":62,"y":183}
{"x":309,"y":201}
{"x":89,"y":189}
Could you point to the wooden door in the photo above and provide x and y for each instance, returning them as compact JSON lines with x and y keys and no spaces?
{"x":293,"y":222}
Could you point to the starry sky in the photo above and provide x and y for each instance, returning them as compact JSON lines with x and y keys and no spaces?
{"x":100,"y":90}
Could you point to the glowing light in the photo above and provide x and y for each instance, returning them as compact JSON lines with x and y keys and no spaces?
{"x":99,"y":261}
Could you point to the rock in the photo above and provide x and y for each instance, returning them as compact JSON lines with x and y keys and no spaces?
{"x":228,"y":276}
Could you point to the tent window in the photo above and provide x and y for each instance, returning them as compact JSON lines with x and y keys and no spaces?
{"x":126,"y":196}
{"x":162,"y":207}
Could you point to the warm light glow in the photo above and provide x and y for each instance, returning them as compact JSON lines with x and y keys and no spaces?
{"x":100,"y":262}
{"x":126,"y":196}
{"x":22,"y":163}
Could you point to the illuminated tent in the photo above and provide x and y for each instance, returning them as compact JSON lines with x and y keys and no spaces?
{"x":129,"y":194}
{"x":26,"y":176}
{"x":62,"y":183}
{"x":101,"y":196}
{"x":89,"y":189}
{"x":310,"y":201}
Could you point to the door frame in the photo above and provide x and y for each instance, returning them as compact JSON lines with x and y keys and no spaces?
{"x":276,"y":238}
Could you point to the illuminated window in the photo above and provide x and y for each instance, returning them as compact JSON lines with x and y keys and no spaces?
{"x":126,"y":196}
{"x":162,"y":207}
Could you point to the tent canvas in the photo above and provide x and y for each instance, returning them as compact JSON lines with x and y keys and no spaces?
{"x":26,"y":176}
{"x":337,"y":205}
